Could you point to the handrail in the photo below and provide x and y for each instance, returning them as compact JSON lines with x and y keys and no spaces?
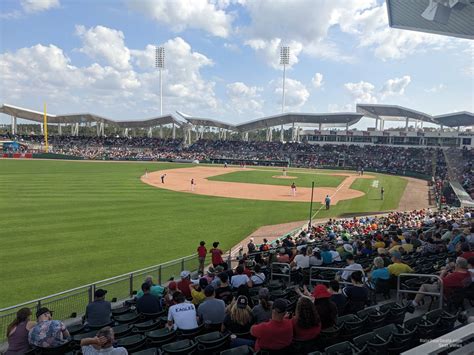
{"x":440,"y":293}
{"x":334,"y":269}
{"x":92,"y":284}
{"x":286,"y":275}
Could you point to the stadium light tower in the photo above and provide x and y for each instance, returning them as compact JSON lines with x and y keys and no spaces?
{"x":160,"y":64}
{"x":284,"y":60}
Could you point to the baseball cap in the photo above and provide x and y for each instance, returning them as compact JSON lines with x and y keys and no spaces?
{"x":185,"y":274}
{"x":348,"y":248}
{"x":280,"y":305}
{"x":321,"y":291}
{"x":100,"y":293}
{"x":396,"y":254}
{"x":42,"y":311}
{"x":219,"y":268}
{"x":242,"y":302}
{"x":172,"y":286}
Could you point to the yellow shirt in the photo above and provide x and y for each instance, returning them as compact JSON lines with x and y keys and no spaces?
{"x":198,"y":297}
{"x":379,"y":244}
{"x":399,"y":268}
{"x":407,"y":247}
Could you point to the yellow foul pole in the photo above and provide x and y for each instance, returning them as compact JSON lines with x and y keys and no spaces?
{"x":45,"y":129}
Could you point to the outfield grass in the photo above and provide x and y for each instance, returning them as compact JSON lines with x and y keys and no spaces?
{"x":266,"y":177}
{"x":64,"y":224}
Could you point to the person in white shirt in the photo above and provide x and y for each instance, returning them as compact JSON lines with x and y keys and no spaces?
{"x":350,"y":268}
{"x":182,"y":315}
{"x":102,"y":343}
{"x":240,"y":278}
{"x":335,"y":254}
{"x":301,"y":261}
{"x":258,"y":276}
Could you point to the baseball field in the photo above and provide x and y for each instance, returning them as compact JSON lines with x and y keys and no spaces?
{"x":64,"y":224}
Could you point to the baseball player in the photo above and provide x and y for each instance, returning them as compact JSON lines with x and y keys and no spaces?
{"x":293,"y":189}
{"x":284,"y":171}
{"x":327,"y":200}
{"x":146,"y":172}
{"x":382,"y":191}
{"x":163,"y":178}
{"x":193,"y":184}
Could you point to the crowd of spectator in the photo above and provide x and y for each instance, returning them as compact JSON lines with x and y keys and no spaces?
{"x":369,"y":251}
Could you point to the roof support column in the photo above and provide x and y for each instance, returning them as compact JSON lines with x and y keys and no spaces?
{"x":320,"y":126}
{"x":42,"y":128}
{"x":224,"y":134}
{"x":201,"y":133}
{"x":125,"y":132}
{"x":421,"y":124}
{"x":150,"y":132}
{"x":298,"y":134}
{"x":376,"y":123}
{"x":161,"y":131}
{"x":459,"y":128}
{"x":293,"y":133}
{"x":282,"y":133}
{"x":174,"y":131}
{"x":14,"y":125}
{"x":245,"y":136}
{"x":269,"y":134}
{"x":407,"y":121}
{"x":442,"y":128}
{"x":60,"y":129}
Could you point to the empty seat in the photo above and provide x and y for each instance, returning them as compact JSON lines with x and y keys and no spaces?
{"x":127,"y":318}
{"x":133,"y":342}
{"x":146,"y":326}
{"x":122,"y":330}
{"x":151,"y":351}
{"x":240,"y":350}
{"x":213,"y":341}
{"x":342,"y":348}
{"x":161,"y":336}
{"x":183,"y":347}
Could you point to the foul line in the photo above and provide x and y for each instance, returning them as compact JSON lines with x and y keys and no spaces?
{"x":334,"y":194}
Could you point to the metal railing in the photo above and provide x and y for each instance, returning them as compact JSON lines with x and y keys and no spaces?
{"x":424,"y":276}
{"x":337,"y":269}
{"x":277,"y":269}
{"x":72,"y":303}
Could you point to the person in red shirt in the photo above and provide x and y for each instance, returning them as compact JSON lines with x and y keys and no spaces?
{"x":306,"y":322}
{"x":202,"y":252}
{"x":183,"y":285}
{"x":452,"y":280}
{"x":466,"y":252}
{"x":216,"y":255}
{"x":277,"y":333}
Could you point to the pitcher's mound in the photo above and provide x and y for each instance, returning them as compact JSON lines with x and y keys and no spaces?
{"x":284,"y":177}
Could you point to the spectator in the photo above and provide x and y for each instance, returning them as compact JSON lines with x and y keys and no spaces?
{"x":350,"y":268}
{"x":48,"y":333}
{"x":264,"y":246}
{"x":148,"y":303}
{"x":251,"y":246}
{"x":240,"y":278}
{"x":346,"y":251}
{"x":327,"y":255}
{"x":99,"y":312}
{"x":283,"y":256}
{"x":216,"y":255}
{"x":156,"y":290}
{"x":316,"y":259}
{"x":197,"y":291}
{"x":258,"y":277}
{"x":184,"y":283}
{"x":334,"y":254}
{"x":379,"y":272}
{"x":337,"y":297}
{"x":326,"y":308}
{"x":452,"y":279}
{"x":276,"y":334}
{"x":301,"y":260}
{"x":202,"y":252}
{"x":224,"y":291}
{"x":102,"y":343}
{"x":212,"y":311}
{"x":182,"y":315}
{"x":168,"y":296}
{"x":357,"y":294}
{"x":17,"y":332}
{"x":398,"y":267}
{"x":238,"y":319}
{"x":306,"y":322}
{"x":466,"y":252}
{"x":262,"y":312}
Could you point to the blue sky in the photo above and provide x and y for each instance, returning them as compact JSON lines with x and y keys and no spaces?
{"x":222,"y":58}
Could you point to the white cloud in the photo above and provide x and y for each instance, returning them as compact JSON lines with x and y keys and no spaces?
{"x":317,"y":80}
{"x":105,"y":43}
{"x":31,"y":6}
{"x":364,"y":92}
{"x":269,"y":51}
{"x":244,"y":98}
{"x":47,"y":73}
{"x":395,"y":86}
{"x":180,"y":15}
{"x":296,"y":93}
{"x":361,"y":92}
{"x":436,"y":88}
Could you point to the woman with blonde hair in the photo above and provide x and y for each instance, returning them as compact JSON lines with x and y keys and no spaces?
{"x":17,"y":332}
{"x":238,"y":320}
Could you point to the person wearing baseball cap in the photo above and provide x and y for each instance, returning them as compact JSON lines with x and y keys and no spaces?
{"x":98,"y":312}
{"x":276,"y":334}
{"x":262,"y":312}
{"x":183,"y":284}
{"x":48,"y":333}
{"x":238,"y":320}
{"x":326,"y":308}
{"x":398,"y":267}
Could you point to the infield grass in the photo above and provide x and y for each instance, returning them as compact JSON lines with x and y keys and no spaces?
{"x":267,"y":178}
{"x":64,"y":224}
